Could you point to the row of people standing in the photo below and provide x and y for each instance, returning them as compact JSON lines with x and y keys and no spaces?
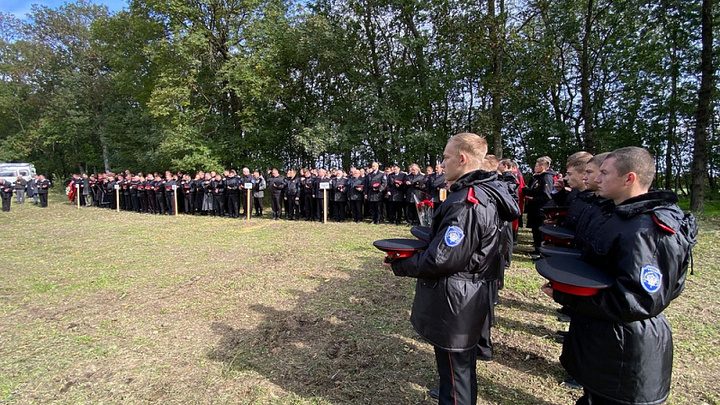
{"x":37,"y":188}
{"x":383,"y":195}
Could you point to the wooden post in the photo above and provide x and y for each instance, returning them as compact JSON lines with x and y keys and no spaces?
{"x":176,"y":199}
{"x":248,"y":209}
{"x":77,"y":194}
{"x":324,"y":205}
{"x":117,"y":197}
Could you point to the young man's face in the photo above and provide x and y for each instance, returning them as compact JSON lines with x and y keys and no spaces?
{"x":591,"y":171}
{"x":574,"y":178}
{"x":451,"y":162}
{"x":610,"y":184}
{"x":539,"y":168}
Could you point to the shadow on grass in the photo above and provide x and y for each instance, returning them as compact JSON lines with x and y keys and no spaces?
{"x":350,"y":342}
{"x":512,"y":303}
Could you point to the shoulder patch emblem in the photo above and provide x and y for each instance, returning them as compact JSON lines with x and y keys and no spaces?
{"x":650,"y":278}
{"x":453,"y":236}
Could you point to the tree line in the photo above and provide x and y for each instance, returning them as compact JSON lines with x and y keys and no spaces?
{"x":191,"y":85}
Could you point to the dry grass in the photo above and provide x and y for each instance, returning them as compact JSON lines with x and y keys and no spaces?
{"x":100,"y":307}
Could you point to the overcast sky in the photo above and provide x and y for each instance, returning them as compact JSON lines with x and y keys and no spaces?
{"x":22,"y":7}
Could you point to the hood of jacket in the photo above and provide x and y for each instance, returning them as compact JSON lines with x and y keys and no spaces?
{"x":480,"y":180}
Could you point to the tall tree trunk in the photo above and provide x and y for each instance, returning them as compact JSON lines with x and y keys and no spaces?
{"x":586,"y":110}
{"x":699,"y":169}
{"x":496,"y":46}
{"x":672,"y":121}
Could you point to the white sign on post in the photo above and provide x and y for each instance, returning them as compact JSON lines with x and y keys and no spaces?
{"x":248,"y":185}
{"x":325,"y":186}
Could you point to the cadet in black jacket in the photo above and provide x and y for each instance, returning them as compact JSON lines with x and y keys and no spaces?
{"x":355,"y":194}
{"x":396,"y":198}
{"x":276,"y":184}
{"x":291,"y":195}
{"x":246,"y":178}
{"x":218,"y":189}
{"x":464,"y":253}
{"x":414,"y":190}
{"x":307,"y":195}
{"x":436,"y":182}
{"x":539,"y":193}
{"x":6,"y":192}
{"x":318,"y":193}
{"x":169,"y":193}
{"x":340,"y":188}
{"x":619,"y":347}
{"x":375,"y":185}
{"x":232,"y":188}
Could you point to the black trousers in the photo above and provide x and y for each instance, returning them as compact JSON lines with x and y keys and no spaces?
{"x":356,"y":210}
{"x":339,"y":207}
{"x":234,"y":204}
{"x":142,"y":199}
{"x":133,"y":199}
{"x":485,"y":345}
{"x":411,"y":213}
{"x":160,"y":203}
{"x":309,"y":211}
{"x":258,"y":201}
{"x":537,"y":236}
{"x":6,"y":202}
{"x":319,"y":208}
{"x":170,"y":202}
{"x":292,"y":210}
{"x":43,"y":199}
{"x":151,"y":205}
{"x":276,"y":200}
{"x":189,"y":206}
{"x":374,"y":211}
{"x":220,"y":204}
{"x":458,"y":377}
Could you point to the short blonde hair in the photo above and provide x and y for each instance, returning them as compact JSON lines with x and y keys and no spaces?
{"x":472,"y":145}
{"x":544,"y":161}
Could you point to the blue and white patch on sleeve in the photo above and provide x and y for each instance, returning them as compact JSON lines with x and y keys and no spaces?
{"x":650,"y":278}
{"x":453,"y":236}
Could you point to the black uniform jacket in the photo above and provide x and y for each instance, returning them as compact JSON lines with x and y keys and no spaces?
{"x":396,"y":186}
{"x":353,"y":184}
{"x":292,"y":187}
{"x":416,"y":189}
{"x":276,"y":185}
{"x":464,"y":252}
{"x":340,"y":185}
{"x":620,"y":344}
{"x":540,"y":189}
{"x":375,"y":184}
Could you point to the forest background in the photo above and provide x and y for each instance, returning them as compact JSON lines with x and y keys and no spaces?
{"x":190,"y":85}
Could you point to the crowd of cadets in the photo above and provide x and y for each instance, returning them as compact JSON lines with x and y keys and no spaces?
{"x":388,"y":194}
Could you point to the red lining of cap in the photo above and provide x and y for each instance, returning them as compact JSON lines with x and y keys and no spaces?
{"x":574,"y":290}
{"x":662,"y":225}
{"x":399,"y":254}
{"x":471,"y":196}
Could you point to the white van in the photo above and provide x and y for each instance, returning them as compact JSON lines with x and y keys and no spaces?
{"x":11,"y":171}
